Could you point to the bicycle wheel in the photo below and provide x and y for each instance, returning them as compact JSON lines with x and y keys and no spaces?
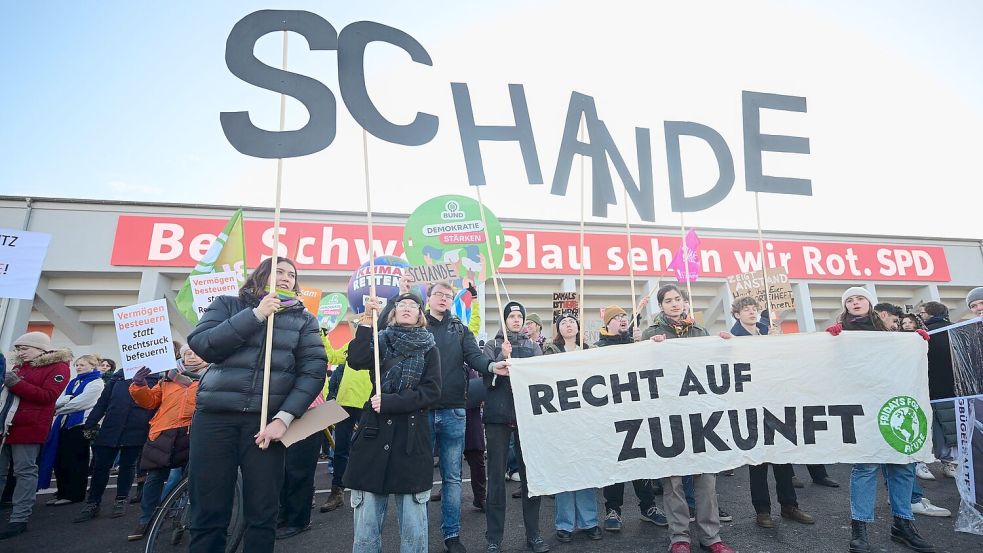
{"x":170,"y":528}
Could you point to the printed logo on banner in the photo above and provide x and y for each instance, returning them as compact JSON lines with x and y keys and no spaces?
{"x":903,"y":424}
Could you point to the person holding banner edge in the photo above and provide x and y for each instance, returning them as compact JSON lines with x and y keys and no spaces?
{"x":500,"y":425}
{"x":859,"y":315}
{"x":674,"y":322}
{"x":231,"y":335}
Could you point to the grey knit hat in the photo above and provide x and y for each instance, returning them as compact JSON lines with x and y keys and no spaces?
{"x":974,"y":295}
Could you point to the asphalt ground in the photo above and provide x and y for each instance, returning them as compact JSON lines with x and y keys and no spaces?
{"x":51,"y":529}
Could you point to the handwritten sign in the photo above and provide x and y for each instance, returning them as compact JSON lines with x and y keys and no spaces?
{"x":565,"y":302}
{"x":433,"y":273}
{"x":144,"y":334}
{"x":205,"y":288}
{"x":753,"y":284}
{"x":21,"y":256}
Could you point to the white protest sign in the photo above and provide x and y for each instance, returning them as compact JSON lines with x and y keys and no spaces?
{"x":205,"y":288}
{"x":144,"y":334}
{"x":703,"y":405}
{"x":21,"y":256}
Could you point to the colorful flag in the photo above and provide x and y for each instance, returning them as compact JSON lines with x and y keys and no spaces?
{"x":687,"y":262}
{"x":218,"y":258}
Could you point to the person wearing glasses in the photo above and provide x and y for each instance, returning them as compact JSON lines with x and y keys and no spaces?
{"x":447,"y":418}
{"x":30,"y":389}
{"x":391,"y":453}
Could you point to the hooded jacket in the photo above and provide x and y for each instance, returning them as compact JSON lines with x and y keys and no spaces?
{"x":231,"y":338}
{"x":499,"y":406}
{"x":43,"y":380}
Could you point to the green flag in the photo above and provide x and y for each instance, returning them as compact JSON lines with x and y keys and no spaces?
{"x":227,"y":253}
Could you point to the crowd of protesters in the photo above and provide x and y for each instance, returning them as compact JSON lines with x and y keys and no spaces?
{"x":441,"y":395}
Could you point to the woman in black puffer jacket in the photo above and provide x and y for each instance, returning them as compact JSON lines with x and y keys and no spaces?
{"x":225,"y":437}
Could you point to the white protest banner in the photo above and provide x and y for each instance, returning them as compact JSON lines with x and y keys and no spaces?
{"x":703,"y":405}
{"x":205,"y":288}
{"x":21,"y":256}
{"x":144,"y":334}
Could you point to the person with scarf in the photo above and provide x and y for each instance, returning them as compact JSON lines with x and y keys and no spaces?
{"x":35,"y":378}
{"x":674,"y":321}
{"x":227,"y":440}
{"x":859,"y":315}
{"x":576,"y":509}
{"x":67,"y":450}
{"x":618,"y":330}
{"x":500,"y":426}
{"x":168,"y":444}
{"x":391,"y":451}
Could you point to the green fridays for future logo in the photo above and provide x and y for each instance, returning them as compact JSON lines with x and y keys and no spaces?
{"x":903,"y":424}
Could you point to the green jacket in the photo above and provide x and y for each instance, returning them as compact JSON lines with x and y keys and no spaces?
{"x":663,"y":327}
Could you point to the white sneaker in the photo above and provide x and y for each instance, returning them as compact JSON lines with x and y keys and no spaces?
{"x":922,"y":472}
{"x":949,"y":469}
{"x":516,"y":477}
{"x":925,"y":507}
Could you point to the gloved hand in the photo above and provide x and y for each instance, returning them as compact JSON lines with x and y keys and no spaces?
{"x":835,"y":330}
{"x":923,"y":333}
{"x":140,"y":378}
{"x":11,"y":378}
{"x":90,"y":433}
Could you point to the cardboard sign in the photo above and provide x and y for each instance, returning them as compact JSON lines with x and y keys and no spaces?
{"x":205,"y":288}
{"x":565,"y":302}
{"x":21,"y":256}
{"x":311,"y":298}
{"x":433,"y":273}
{"x":753,"y":284}
{"x":144,"y":334}
{"x":314,"y":420}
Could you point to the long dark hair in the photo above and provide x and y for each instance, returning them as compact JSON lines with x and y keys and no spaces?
{"x":875,"y":321}
{"x":260,"y":278}
{"x":558,"y":339}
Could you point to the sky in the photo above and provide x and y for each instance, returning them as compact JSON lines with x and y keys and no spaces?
{"x":115,"y":100}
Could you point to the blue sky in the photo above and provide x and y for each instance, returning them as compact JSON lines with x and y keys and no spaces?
{"x":120,"y":100}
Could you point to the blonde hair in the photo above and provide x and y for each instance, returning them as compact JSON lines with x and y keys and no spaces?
{"x":90,"y":358}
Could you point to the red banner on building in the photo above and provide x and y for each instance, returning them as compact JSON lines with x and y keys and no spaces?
{"x":181,"y":242}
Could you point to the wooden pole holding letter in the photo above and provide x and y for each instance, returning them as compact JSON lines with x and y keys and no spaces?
{"x":368,"y":212}
{"x":772,"y":316}
{"x":264,"y":411}
{"x":492,"y":265}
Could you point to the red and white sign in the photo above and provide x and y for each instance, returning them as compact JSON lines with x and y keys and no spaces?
{"x":181,"y":242}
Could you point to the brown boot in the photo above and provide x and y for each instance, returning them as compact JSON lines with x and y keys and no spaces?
{"x":335,"y":499}
{"x":798,"y":515}
{"x":764,"y":520}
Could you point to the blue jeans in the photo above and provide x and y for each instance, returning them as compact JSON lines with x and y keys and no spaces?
{"x":576,"y":510}
{"x":916,"y":489}
{"x":863,"y":490}
{"x":370,"y":516}
{"x":172,"y":481}
{"x":689,"y":487}
{"x":152,"y":493}
{"x":447,"y":429}
{"x":512,"y":464}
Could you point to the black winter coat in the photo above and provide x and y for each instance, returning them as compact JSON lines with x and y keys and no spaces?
{"x":231,"y":338}
{"x":391,"y":451}
{"x":941,"y":383}
{"x":458,"y":351}
{"x":499,"y":405}
{"x":123,"y":422}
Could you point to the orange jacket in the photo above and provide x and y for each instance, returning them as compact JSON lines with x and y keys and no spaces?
{"x":175,"y":404}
